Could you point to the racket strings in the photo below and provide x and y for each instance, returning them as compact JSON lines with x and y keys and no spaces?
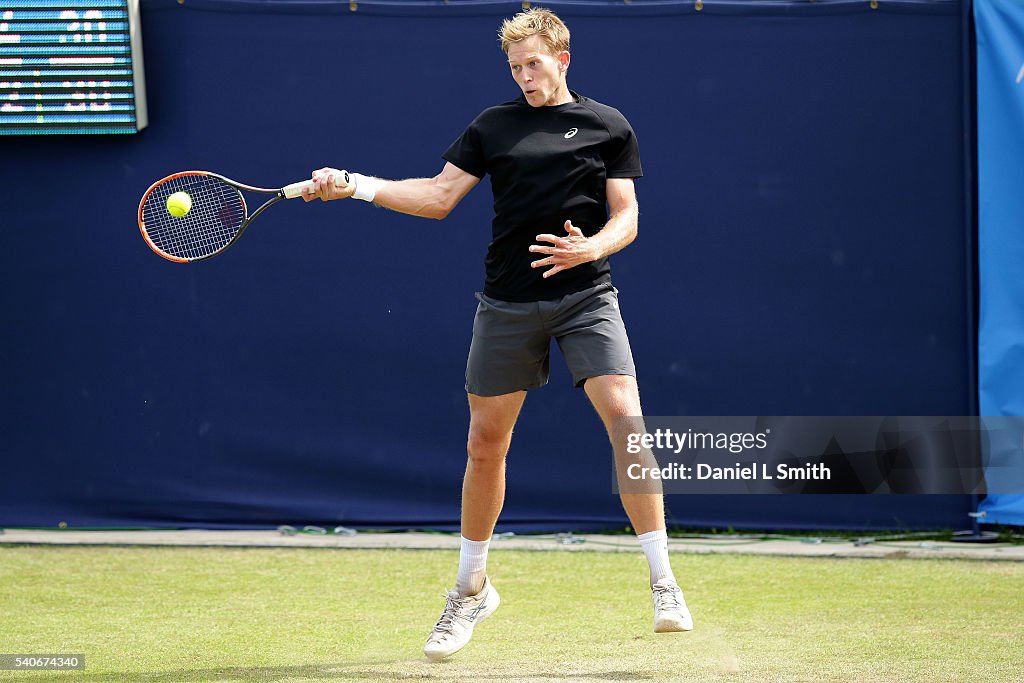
{"x":216,"y":216}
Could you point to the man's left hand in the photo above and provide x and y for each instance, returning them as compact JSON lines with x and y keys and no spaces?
{"x":564,"y":252}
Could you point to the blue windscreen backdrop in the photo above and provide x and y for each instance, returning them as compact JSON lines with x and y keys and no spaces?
{"x":804,"y":249}
{"x":1000,"y":40}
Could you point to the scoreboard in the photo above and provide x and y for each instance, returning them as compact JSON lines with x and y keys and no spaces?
{"x":71,"y":67}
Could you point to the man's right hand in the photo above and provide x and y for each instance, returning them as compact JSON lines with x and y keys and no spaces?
{"x":324,"y":186}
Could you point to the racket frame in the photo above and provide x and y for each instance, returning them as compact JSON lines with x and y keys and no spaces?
{"x":287,"y":192}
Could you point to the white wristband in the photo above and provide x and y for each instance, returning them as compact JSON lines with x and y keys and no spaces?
{"x":366,"y":187}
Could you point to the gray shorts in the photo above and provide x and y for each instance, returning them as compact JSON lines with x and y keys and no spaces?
{"x":511,"y":341}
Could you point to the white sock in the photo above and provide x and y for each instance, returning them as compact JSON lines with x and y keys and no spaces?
{"x":655,"y":545}
{"x":472,"y":566}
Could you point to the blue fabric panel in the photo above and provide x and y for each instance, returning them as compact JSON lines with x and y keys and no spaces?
{"x":575,"y":8}
{"x":801,"y":251}
{"x":1000,"y":47}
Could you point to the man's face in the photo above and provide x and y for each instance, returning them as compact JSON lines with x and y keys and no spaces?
{"x":538,"y":73}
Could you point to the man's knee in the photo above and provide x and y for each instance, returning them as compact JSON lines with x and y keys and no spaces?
{"x":487,"y":445}
{"x":614,"y":395}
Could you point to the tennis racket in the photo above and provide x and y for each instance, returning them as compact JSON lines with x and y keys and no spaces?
{"x":210,"y":218}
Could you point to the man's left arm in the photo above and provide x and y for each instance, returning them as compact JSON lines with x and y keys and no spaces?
{"x":573,"y":249}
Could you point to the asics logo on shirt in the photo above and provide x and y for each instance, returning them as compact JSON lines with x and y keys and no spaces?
{"x":572,"y":131}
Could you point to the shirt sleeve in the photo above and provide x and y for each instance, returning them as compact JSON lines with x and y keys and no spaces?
{"x":621,"y":153}
{"x":467,"y":152}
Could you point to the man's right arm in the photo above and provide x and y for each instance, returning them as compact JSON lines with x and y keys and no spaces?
{"x":427,"y":197}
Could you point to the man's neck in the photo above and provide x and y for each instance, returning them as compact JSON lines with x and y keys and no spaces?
{"x":563,"y":96}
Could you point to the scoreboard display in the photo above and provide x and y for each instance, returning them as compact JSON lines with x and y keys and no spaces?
{"x":71,"y":67}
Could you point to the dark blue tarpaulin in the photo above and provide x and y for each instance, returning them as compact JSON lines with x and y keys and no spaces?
{"x":801,"y":252}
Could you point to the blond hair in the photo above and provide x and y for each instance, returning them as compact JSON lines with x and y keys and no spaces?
{"x":532,"y":22}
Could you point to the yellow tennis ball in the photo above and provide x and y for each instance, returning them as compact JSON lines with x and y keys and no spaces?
{"x":178,"y":204}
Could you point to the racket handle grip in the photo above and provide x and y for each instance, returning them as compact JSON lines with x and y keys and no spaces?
{"x":298,"y":189}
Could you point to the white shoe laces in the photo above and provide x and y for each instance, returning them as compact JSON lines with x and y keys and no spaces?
{"x":452,"y":605}
{"x":667,"y":596}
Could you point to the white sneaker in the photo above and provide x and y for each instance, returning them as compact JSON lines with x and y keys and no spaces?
{"x":670,"y":612}
{"x":455,"y":627}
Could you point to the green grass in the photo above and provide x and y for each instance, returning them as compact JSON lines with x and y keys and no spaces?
{"x":283,"y":615}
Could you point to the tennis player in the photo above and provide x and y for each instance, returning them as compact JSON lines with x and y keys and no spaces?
{"x":562,"y":168}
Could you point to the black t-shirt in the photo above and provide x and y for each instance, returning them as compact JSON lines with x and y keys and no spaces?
{"x":547,"y":165}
